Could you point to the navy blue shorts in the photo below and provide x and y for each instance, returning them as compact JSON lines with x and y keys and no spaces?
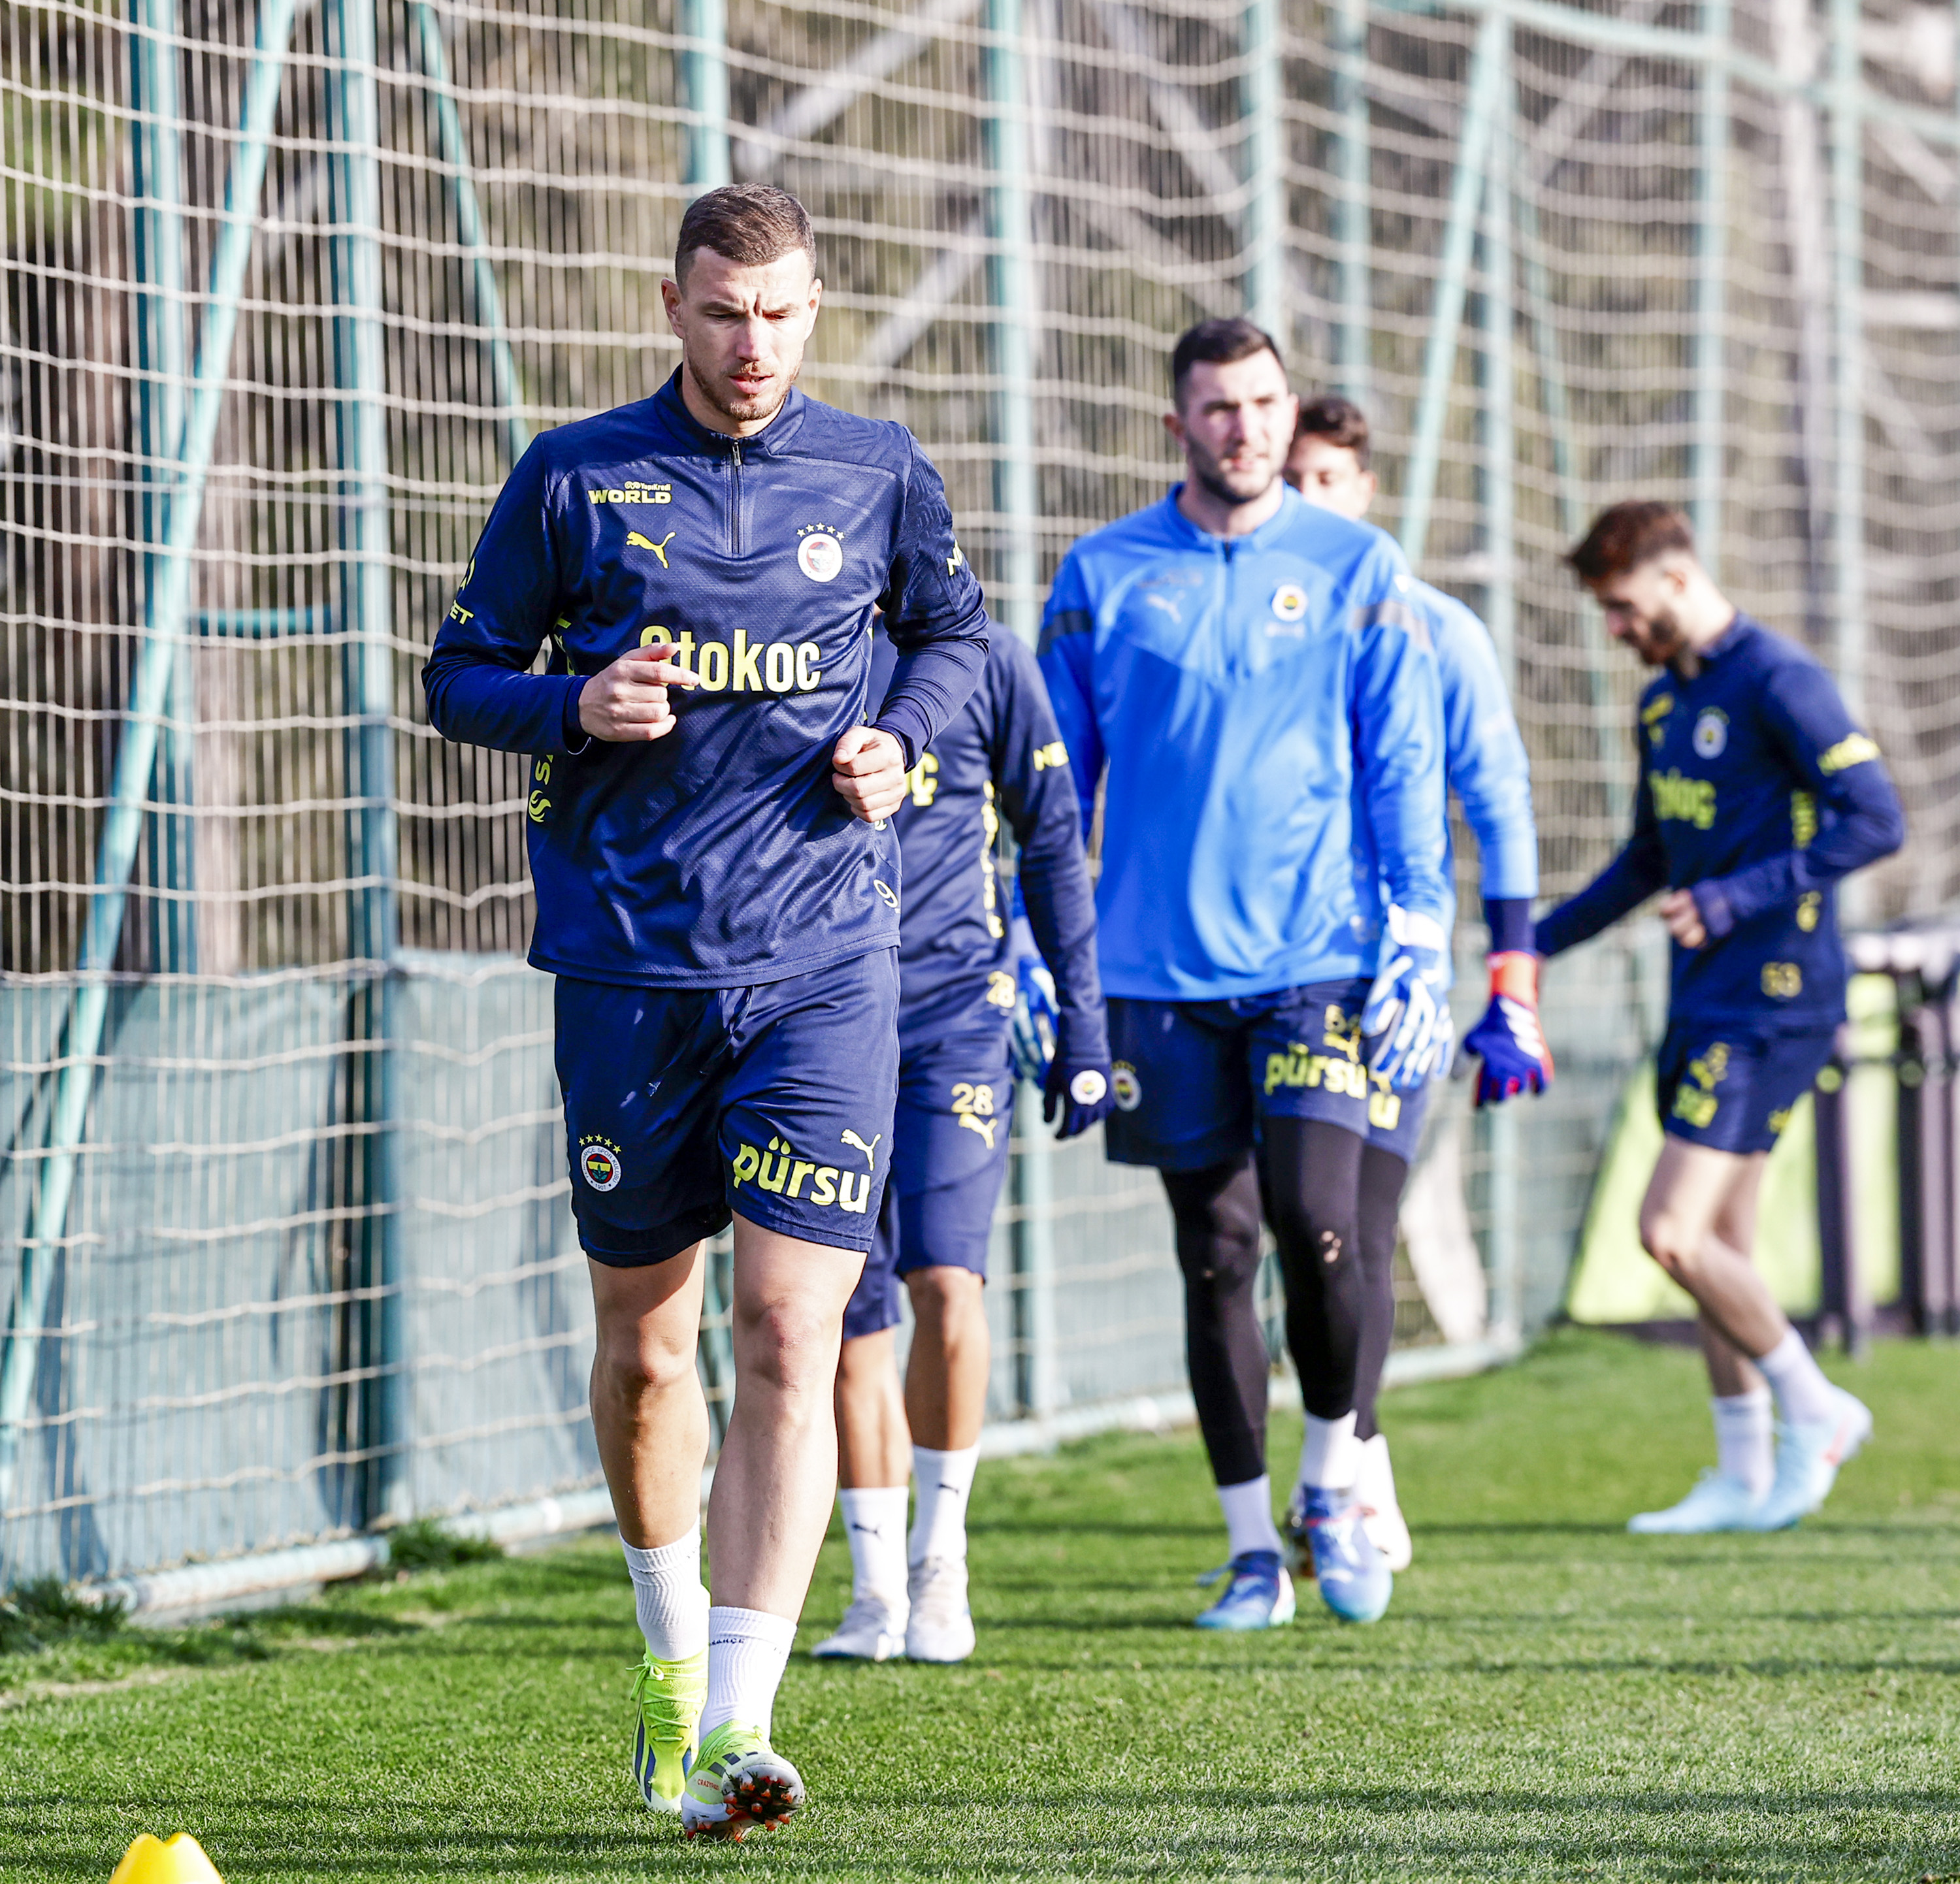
{"x":1193,"y":1078}
{"x":1395,"y":1119}
{"x":1726,"y":1087}
{"x":684,"y":1105}
{"x":949,"y":1154}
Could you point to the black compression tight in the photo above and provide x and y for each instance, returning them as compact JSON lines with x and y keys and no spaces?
{"x":1383,"y":1176}
{"x":1331,"y":1200}
{"x":1310,"y":1180}
{"x":1217,"y":1211}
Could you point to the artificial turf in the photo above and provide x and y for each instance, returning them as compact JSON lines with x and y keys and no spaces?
{"x":1547,"y":1697}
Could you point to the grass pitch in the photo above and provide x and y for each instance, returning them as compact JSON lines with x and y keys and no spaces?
{"x":1548,"y":1698}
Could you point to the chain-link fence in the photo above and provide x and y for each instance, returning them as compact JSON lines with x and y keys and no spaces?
{"x":286,"y":1243}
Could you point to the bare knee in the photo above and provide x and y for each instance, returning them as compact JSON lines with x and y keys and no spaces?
{"x":786,"y":1347}
{"x":632,"y":1359}
{"x":1673,"y":1244}
{"x":943,"y":1298}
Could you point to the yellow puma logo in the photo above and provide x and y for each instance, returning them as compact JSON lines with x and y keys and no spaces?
{"x":635,"y":541}
{"x":851,"y":1138}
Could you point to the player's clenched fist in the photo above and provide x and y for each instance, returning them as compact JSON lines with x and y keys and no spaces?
{"x":628,"y":700}
{"x":868,"y":767}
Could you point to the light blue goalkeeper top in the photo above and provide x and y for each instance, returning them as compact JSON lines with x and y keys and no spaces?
{"x":1483,"y":754}
{"x":1268,"y":710}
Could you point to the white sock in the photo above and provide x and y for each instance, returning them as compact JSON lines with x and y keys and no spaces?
{"x":874,"y":1524}
{"x":1803,"y":1394}
{"x":944,"y":1482}
{"x":672,"y":1606}
{"x":1743,"y":1445}
{"x":1330,"y":1455}
{"x":1248,"y":1516}
{"x":747,"y":1651}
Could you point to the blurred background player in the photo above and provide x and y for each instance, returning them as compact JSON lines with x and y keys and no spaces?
{"x":1253,"y":673}
{"x":1484,"y":757}
{"x":1757,"y":794}
{"x":1000,"y":757}
{"x":715,"y":894}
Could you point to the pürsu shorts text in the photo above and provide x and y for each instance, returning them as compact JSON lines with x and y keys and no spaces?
{"x":1193,"y":1078}
{"x":949,"y":1155}
{"x":1732,"y":1089}
{"x":682,"y":1105}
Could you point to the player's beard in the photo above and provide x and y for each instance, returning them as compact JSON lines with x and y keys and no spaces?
{"x":1662,"y":638}
{"x":1230,"y":487}
{"x":747,"y":412}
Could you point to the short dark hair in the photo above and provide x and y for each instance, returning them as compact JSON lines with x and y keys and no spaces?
{"x":1218,"y":343}
{"x":1626,"y":535}
{"x":751,"y":224}
{"x":1339,"y":421}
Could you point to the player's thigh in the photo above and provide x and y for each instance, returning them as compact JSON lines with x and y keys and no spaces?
{"x":805,"y":1128}
{"x":646,"y":1316}
{"x":640,"y":1069}
{"x":1689,"y":1184}
{"x":1182,"y":1098}
{"x":1303,"y":1056}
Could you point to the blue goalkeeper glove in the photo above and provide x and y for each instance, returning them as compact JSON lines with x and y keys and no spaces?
{"x":1509,"y":1039}
{"x":1037,"y":1023}
{"x":1407,"y":1021}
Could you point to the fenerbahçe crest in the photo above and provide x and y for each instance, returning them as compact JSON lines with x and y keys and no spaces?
{"x":599,"y":1163}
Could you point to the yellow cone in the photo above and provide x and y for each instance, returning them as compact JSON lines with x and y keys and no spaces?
{"x":151,"y":1860}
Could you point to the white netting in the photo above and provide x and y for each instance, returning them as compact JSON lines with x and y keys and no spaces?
{"x":314,"y":1255}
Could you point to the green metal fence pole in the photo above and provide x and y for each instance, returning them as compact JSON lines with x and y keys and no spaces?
{"x":156,"y":154}
{"x":1711,"y":297}
{"x":1264,"y":230}
{"x":135,"y":757}
{"x":703,"y":25}
{"x":1351,"y":161}
{"x":1439,"y":367}
{"x":1010,"y":284}
{"x":1847,"y":167}
{"x":470,"y":226}
{"x":1504,"y":1249}
{"x":367,"y":586}
{"x":1010,"y":280}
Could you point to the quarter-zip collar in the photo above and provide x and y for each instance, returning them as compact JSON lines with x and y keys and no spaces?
{"x":771,"y":441}
{"x":1267,"y":533}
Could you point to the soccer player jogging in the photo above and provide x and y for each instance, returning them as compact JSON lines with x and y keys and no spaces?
{"x":1001,"y":759}
{"x":1251,"y":671}
{"x":718,"y":891}
{"x":1484,"y":757}
{"x":1758,"y":793}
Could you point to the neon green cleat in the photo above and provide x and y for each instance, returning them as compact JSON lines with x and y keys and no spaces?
{"x":668,"y":1698}
{"x":737,"y":1780}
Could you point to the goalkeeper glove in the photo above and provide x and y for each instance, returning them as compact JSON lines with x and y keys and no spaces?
{"x":1077,"y":1090}
{"x":1031,"y":1036}
{"x":1407,"y":1021}
{"x":1509,"y":1039}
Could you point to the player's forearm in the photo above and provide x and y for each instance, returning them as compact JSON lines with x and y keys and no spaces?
{"x":1053,"y":885}
{"x":1620,"y":889}
{"x":1500,"y":820}
{"x":1869,"y":825}
{"x":930,"y":681}
{"x":482,"y":703}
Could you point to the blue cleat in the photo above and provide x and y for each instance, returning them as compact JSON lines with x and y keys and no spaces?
{"x":1355,"y":1581}
{"x":1258,"y":1597}
{"x":1718,"y":1503}
{"x":1807,"y":1457}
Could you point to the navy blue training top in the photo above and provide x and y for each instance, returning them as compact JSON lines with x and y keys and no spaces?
{"x":1757,"y":792}
{"x":1001,"y":756}
{"x":719,"y":855}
